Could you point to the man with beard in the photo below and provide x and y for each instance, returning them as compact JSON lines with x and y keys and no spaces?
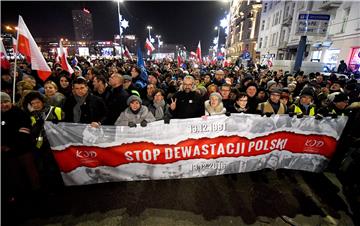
{"x":187,"y":103}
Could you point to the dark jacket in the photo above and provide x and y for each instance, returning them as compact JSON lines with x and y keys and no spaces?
{"x":188,"y":105}
{"x":92,"y":110}
{"x":116,"y":103}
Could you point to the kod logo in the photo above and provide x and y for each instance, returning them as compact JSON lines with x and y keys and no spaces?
{"x":314,"y":143}
{"x":85,"y":154}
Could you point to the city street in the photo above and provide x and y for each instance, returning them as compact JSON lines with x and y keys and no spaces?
{"x":280,"y":197}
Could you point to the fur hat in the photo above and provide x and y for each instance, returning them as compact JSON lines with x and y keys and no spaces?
{"x":133,"y":98}
{"x":217,"y":95}
{"x":276,"y":90}
{"x":5,"y":97}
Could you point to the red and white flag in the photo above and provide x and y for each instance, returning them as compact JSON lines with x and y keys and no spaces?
{"x":127,"y":53}
{"x":5,"y":64}
{"x":63,"y":59}
{"x":198,"y":52}
{"x":179,"y":60}
{"x":14,"y":44}
{"x":28,"y":47}
{"x":149,"y":46}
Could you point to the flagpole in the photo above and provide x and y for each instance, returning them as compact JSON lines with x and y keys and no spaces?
{"x":16,"y":51}
{"x":120,"y":42}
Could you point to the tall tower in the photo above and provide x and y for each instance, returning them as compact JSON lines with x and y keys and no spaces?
{"x":83,"y":25}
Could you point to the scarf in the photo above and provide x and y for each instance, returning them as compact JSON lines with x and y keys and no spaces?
{"x":77,"y":108}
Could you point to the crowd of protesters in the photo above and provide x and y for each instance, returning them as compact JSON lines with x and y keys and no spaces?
{"x":117,"y":92}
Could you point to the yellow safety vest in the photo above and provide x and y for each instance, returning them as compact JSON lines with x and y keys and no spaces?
{"x":57,"y":111}
{"x":298,"y":110}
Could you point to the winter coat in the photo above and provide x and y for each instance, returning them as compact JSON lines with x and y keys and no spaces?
{"x":128,"y":116}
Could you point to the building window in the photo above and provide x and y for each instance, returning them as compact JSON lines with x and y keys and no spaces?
{"x":346,"y":13}
{"x":265,"y":7}
{"x":265,"y":42}
{"x":262,"y":25}
{"x":260,"y":42}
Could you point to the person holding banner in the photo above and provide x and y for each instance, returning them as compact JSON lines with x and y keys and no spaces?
{"x":273,"y":104}
{"x":83,"y":106}
{"x":214,"y":105}
{"x":40,"y":111}
{"x":136,"y":113}
{"x":187,"y":103}
{"x":304,"y":106}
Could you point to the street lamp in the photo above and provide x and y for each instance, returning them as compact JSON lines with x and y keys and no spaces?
{"x":158,"y":37}
{"x":120,"y":29}
{"x":149,"y":28}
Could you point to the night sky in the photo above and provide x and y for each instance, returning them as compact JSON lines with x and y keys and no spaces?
{"x":177,"y":22}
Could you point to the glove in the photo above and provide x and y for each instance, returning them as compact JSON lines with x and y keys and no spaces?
{"x":227,"y":113}
{"x":143,"y":123}
{"x":132,"y":124}
{"x":334,"y":115}
{"x":268,"y":114}
{"x":318,"y":117}
{"x":167,"y":120}
{"x":291,"y":114}
{"x":300,"y":115}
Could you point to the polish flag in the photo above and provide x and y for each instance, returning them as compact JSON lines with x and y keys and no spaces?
{"x":149,"y":46}
{"x":198,"y":52}
{"x":63,"y":60}
{"x":14,"y":44}
{"x":28,"y":47}
{"x":179,"y":60}
{"x":127,"y":53}
{"x":5,"y":64}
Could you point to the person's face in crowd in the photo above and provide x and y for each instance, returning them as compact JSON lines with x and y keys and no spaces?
{"x":5,"y":105}
{"x":225,"y":92}
{"x":291,"y":87}
{"x":305,"y":100}
{"x":126,"y":84}
{"x":219,"y":75}
{"x":207,"y":79}
{"x":89,"y":75}
{"x":211,"y":89}
{"x":214,"y":101}
{"x":77,"y":73}
{"x":135,"y":105}
{"x":284,"y":100}
{"x":335,"y":87}
{"x":6,"y":77}
{"x":228,"y":81}
{"x":114,"y":80}
{"x":27,"y":78}
{"x":300,"y":78}
{"x":187,"y":85}
{"x":251,"y":91}
{"x":134,"y":73}
{"x":273,"y":161}
{"x":152,"y":80}
{"x":197,"y":82}
{"x":64,"y":83}
{"x":261,"y":95}
{"x":242,"y":102}
{"x":341,"y":105}
{"x":50,"y":90}
{"x":158,"y":97}
{"x":150,"y":90}
{"x":80,"y":89}
{"x":319,"y":79}
{"x":37,"y":104}
{"x":96,"y":84}
{"x":275,"y":97}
